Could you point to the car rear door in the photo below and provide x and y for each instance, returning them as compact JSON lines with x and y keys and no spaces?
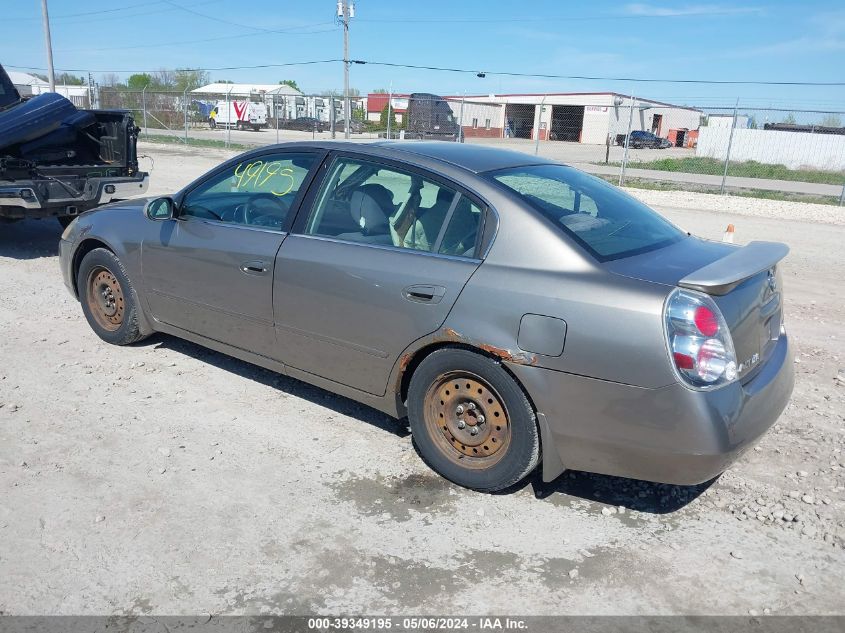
{"x":210,"y":270}
{"x":350,"y":293}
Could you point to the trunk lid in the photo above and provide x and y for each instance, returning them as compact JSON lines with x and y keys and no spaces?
{"x":745,"y":282}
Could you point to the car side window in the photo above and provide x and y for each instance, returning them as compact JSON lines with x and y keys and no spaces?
{"x":255,"y":192}
{"x":552,"y":195}
{"x":462,"y":233}
{"x":367,"y":202}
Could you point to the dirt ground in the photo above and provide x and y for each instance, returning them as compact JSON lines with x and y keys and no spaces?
{"x":165,"y":478}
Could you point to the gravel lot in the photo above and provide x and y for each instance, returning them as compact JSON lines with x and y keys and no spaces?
{"x":165,"y":478}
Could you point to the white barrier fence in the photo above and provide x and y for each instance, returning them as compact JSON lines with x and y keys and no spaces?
{"x":796,"y":150}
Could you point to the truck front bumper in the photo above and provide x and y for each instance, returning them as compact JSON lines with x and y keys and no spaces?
{"x":47,"y":198}
{"x":672,"y":435}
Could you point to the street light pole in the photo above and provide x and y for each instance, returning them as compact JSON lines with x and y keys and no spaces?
{"x":48,"y":41}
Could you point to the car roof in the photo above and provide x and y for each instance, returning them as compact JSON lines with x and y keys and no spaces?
{"x":474,"y":158}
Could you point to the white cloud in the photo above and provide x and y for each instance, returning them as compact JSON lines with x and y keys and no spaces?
{"x":650,"y":10}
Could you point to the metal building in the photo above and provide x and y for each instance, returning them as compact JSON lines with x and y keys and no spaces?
{"x":585,"y":117}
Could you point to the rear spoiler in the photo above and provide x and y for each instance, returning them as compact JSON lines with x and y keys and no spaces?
{"x":725,"y":274}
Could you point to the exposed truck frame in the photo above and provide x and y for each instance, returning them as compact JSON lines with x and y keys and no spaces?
{"x":57,"y":161}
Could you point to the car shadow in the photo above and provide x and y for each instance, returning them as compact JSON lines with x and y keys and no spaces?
{"x":30,"y":239}
{"x":291,"y":386}
{"x":631,"y":494}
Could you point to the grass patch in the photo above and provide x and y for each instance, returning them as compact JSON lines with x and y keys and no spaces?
{"x":747,"y":169}
{"x":652,"y":185}
{"x":192,"y":142}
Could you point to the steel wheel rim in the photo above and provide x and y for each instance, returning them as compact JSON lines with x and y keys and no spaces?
{"x":467,"y":419}
{"x":105,"y":299}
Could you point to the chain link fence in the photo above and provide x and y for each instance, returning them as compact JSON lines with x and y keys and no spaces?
{"x":628,"y":140}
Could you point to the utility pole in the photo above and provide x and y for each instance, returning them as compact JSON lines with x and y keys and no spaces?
{"x":345,"y":11}
{"x":50,"y":72}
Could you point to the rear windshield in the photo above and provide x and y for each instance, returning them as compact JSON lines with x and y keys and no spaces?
{"x":609,"y":223}
{"x":8,"y":94}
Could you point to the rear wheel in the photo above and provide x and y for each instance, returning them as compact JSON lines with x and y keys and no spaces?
{"x":471,"y":421}
{"x":108,"y":299}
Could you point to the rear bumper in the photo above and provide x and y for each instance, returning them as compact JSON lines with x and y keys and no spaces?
{"x":28,"y":200}
{"x":670,"y":435}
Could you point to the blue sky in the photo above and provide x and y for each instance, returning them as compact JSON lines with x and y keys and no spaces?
{"x":769,"y":41}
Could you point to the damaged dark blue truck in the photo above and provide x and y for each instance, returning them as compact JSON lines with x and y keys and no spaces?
{"x":58,"y":161}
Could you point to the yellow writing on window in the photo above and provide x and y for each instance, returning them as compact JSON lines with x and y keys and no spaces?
{"x":256,"y":175}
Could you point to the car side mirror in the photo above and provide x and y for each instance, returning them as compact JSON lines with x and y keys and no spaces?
{"x":160,"y":209}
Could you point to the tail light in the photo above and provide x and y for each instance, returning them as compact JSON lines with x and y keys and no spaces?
{"x":699,"y":341}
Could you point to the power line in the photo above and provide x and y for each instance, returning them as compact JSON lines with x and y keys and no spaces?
{"x":569,"y":18}
{"x":483,"y":73}
{"x":86,"y":14}
{"x":229,"y":22}
{"x":204,"y":40}
{"x":148,"y":70}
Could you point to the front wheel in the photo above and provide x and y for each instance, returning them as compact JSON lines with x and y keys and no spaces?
{"x":471,"y":421}
{"x":108,"y":300}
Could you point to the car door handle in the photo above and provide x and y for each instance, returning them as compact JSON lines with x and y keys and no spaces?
{"x":424,"y":293}
{"x":254,"y":267}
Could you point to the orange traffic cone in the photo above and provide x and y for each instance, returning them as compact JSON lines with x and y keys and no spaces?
{"x":729,"y":234}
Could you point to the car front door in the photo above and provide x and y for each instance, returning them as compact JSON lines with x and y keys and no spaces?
{"x":376,"y":263}
{"x":210,"y":270}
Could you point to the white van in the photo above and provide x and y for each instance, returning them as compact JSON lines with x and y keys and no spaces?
{"x":241,"y":114}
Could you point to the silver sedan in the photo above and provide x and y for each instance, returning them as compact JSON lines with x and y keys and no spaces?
{"x":518,"y":311}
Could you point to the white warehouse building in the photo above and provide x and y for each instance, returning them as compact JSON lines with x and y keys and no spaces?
{"x":592,"y":117}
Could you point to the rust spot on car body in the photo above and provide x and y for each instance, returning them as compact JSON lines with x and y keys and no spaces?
{"x":519,"y":357}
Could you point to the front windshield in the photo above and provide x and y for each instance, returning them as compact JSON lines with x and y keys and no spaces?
{"x":609,"y":223}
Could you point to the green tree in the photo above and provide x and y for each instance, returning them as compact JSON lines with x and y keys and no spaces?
{"x":789,"y":119}
{"x":290,"y":82}
{"x":831,"y":120}
{"x":394,"y":125}
{"x":66,"y":79}
{"x":139,"y":81}
{"x":187,"y":79}
{"x":110,"y":80}
{"x":379,"y":91}
{"x":223,"y":81}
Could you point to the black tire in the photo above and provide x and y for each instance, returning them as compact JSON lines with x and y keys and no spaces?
{"x":521,"y":450}
{"x":103,"y":264}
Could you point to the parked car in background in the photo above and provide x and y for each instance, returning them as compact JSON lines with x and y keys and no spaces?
{"x":355,"y":127}
{"x":643,"y":139}
{"x":58,"y":161}
{"x":513,"y":308}
{"x":304,"y":123}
